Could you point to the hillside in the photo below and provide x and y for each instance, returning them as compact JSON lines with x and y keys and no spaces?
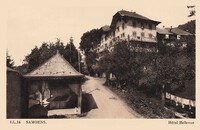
{"x":189,"y":27}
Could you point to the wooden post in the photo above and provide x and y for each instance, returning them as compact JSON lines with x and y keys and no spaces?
{"x":163,"y":95}
{"x":79,"y":62}
{"x":79,"y":99}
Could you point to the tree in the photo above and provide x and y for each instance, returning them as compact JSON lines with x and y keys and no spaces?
{"x":90,"y":40}
{"x":91,"y":61}
{"x":104,"y":64}
{"x":40,"y":54}
{"x":9,"y":61}
{"x":175,"y":66}
{"x":189,"y":26}
{"x":122,"y":62}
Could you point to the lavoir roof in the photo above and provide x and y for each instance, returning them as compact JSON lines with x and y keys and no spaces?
{"x":56,"y":66}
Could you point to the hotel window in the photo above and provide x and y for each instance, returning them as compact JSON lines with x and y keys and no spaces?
{"x":106,"y":45}
{"x":110,"y":43}
{"x":150,"y":35}
{"x":102,"y":39}
{"x":128,"y":37}
{"x":150,"y":26}
{"x":123,"y":34}
{"x":134,"y":34}
{"x":142,"y":34}
{"x":134,"y":23}
{"x":118,"y":29}
{"x":166,"y":36}
{"x":113,"y":34}
{"x":106,"y":38}
{"x":142,"y":25}
{"x":178,"y":37}
{"x":123,"y":26}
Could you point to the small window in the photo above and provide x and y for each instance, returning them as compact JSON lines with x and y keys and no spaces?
{"x":134,"y":34}
{"x":134,"y":23}
{"x":150,"y":35}
{"x":106,"y":45}
{"x":110,"y":43}
{"x":142,"y":34}
{"x":118,"y":29}
{"x":142,"y":25}
{"x":166,"y":36}
{"x":178,"y":37}
{"x":150,"y":26}
{"x":128,"y":37}
{"x":113,"y":34}
{"x":122,"y":35}
{"x":123,"y":26}
{"x":145,"y":69}
{"x":106,"y":38}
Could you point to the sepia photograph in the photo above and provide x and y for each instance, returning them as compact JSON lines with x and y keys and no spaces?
{"x":128,"y":59}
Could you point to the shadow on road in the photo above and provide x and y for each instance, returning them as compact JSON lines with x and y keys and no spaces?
{"x":88,"y":102}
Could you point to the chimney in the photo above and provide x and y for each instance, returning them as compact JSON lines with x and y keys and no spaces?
{"x":170,"y":29}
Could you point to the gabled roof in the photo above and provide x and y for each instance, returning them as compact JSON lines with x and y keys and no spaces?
{"x":134,"y":15}
{"x":56,"y":66}
{"x":163,"y":31}
{"x":105,"y":28}
{"x":123,"y":14}
{"x":178,"y":31}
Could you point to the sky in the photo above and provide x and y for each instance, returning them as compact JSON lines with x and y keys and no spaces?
{"x":29,"y":24}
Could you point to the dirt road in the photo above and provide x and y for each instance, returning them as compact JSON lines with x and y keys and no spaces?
{"x":109,"y":105}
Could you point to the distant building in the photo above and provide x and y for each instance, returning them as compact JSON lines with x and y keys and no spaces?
{"x":172,"y":35}
{"x":128,"y":26}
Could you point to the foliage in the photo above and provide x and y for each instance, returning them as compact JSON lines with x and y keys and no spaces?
{"x":91,"y":61}
{"x":90,"y":40}
{"x":175,"y":66}
{"x":123,"y":63}
{"x":9,"y":61}
{"x":189,"y":27}
{"x":40,"y":54}
{"x":171,"y":65}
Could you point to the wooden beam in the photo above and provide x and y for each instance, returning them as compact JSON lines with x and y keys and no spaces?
{"x":79,"y":100}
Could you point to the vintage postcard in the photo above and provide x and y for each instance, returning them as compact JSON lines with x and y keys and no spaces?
{"x":92,"y":64}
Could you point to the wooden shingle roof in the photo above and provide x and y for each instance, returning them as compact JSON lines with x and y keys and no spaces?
{"x":178,"y":31}
{"x":135,"y":15}
{"x":163,"y":31}
{"x":56,"y":66}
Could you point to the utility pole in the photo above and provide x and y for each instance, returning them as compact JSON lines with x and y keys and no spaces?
{"x":79,"y":61}
{"x":70,"y":49}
